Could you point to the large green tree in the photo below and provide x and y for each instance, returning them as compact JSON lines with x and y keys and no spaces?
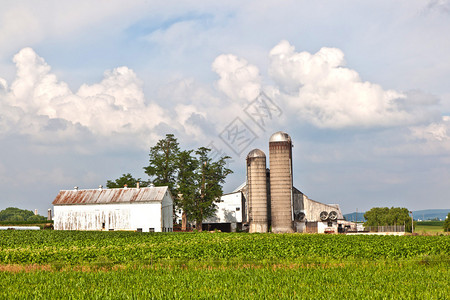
{"x":206,"y":187}
{"x":194,"y":179}
{"x":163,"y":168}
{"x":125,"y":179}
{"x":384,"y":216}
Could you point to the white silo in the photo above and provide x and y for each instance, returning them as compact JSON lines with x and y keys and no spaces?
{"x":280,"y":155}
{"x":257,"y":191}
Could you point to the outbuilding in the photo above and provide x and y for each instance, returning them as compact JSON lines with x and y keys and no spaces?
{"x":148,"y":209}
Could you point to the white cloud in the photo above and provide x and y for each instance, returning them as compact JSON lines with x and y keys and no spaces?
{"x":238,"y":78}
{"x":436,"y":131}
{"x":327,"y":94}
{"x":37,"y":102}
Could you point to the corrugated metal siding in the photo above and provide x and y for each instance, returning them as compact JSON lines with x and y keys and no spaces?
{"x":105,"y":196}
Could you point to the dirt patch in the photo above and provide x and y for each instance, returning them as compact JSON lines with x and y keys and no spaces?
{"x":24,"y":268}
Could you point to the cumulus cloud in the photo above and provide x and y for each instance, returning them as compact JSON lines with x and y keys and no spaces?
{"x":238,"y":78}
{"x":436,"y":131}
{"x":327,"y":94}
{"x":37,"y":102}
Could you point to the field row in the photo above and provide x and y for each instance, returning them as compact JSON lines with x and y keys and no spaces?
{"x":373,"y":281}
{"x":43,"y":247}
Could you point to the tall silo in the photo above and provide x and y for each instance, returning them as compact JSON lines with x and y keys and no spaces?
{"x":257,"y":191}
{"x":280,"y":151}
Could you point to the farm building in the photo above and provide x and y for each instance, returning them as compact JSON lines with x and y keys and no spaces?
{"x":145,"y":209}
{"x":268,"y":198}
{"x":230,"y":214}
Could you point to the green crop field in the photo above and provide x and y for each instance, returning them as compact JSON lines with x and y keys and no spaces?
{"x":118,"y":265}
{"x":429,"y":227}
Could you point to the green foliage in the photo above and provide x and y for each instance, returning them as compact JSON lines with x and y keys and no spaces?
{"x":205,"y":187}
{"x":76,"y":247}
{"x":13,"y":214}
{"x":124,"y":265}
{"x":84,"y":265}
{"x":125,"y":179}
{"x":447,"y":223}
{"x":430,"y":223}
{"x":384,"y":216}
{"x":194,"y":179}
{"x":351,"y":281}
{"x":162,"y":167}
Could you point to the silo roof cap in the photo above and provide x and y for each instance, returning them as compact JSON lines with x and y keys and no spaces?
{"x":256,"y":153}
{"x":280,"y":136}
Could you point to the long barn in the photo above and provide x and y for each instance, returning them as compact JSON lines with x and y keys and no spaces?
{"x":148,"y":209}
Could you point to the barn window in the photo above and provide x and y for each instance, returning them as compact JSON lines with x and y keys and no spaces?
{"x":238,"y":208}
{"x":330,"y":224}
{"x":103,"y":225}
{"x":151,"y":230}
{"x":139,"y":230}
{"x":111,"y":229}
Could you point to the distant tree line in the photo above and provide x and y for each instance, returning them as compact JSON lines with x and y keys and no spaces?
{"x":384,"y":216}
{"x":13,"y":214}
{"x":194,"y":179}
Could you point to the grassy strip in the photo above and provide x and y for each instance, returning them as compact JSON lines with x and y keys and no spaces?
{"x":430,"y":223}
{"x":368,"y":281}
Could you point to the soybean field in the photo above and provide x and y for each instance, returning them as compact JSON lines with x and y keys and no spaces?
{"x":118,"y":265}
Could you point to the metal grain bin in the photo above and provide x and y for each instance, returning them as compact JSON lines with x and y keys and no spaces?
{"x":280,"y":152}
{"x":257,"y":191}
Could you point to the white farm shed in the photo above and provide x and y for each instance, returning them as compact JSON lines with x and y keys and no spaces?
{"x":230,"y":213}
{"x":148,"y":209}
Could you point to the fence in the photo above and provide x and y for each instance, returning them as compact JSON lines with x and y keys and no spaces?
{"x":391,"y":228}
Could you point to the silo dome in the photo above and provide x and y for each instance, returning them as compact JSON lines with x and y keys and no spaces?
{"x":280,"y":136}
{"x":256,"y":153}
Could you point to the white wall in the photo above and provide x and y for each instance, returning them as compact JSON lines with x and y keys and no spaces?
{"x":115,"y":216}
{"x":322,"y":226}
{"x":167,"y":213}
{"x":229,"y":209}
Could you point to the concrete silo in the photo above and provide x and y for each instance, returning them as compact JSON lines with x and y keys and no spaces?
{"x":257,"y":191}
{"x":280,"y":152}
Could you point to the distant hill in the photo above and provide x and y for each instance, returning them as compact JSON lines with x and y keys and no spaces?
{"x":430,"y":214}
{"x":426,"y":214}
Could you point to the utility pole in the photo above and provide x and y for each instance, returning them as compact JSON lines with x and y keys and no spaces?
{"x":412,"y":222}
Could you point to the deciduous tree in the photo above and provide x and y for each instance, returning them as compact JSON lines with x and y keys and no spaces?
{"x":208,"y":185}
{"x":447,"y":223}
{"x":384,"y":216}
{"x":125,"y":179}
{"x":194,"y":179}
{"x":162,"y":167}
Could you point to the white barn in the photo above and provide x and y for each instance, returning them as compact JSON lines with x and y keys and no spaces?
{"x":148,"y":209}
{"x":230,"y":213}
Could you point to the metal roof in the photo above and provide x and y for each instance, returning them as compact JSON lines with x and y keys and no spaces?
{"x":255,"y":153}
{"x":105,"y":196}
{"x":280,"y":136}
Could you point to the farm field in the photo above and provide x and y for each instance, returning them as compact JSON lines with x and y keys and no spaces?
{"x":121,"y":265}
{"x":429,"y":227}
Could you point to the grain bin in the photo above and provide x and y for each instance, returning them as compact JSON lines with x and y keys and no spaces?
{"x":280,"y":152}
{"x":257,"y":191}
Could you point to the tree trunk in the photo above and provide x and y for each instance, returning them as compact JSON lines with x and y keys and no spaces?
{"x":198,"y":225}
{"x":183,"y":221}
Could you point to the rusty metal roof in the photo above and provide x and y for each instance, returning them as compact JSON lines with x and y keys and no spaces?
{"x":105,"y":196}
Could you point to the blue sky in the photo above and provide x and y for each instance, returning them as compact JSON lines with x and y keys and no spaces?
{"x":361,"y":86}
